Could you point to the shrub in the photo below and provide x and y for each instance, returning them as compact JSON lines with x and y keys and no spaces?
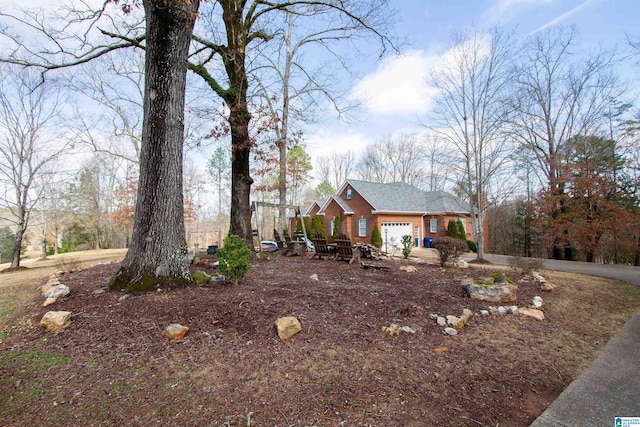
{"x":449,"y":248}
{"x":472,"y":246}
{"x":376,"y":237}
{"x":233,"y":258}
{"x":317,"y":226}
{"x":526,"y":265}
{"x":407,"y":246}
{"x":337,"y":223}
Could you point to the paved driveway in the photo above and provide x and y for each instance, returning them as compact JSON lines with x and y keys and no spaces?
{"x":611,"y":271}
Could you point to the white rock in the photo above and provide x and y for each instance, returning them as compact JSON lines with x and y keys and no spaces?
{"x":450,"y":331}
{"x":512,"y":309}
{"x":484,"y":312}
{"x":441,"y":321}
{"x":531,"y":312}
{"x":433,"y":316}
{"x":314,"y":277}
{"x":537,"y":302}
{"x":57,"y":291}
{"x":408,"y":330}
{"x":409,"y":268}
{"x":452,"y":320}
{"x":502,"y":310}
{"x":460,"y":263}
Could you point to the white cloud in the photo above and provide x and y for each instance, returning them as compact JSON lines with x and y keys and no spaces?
{"x":563,"y":17}
{"x":398,"y":86}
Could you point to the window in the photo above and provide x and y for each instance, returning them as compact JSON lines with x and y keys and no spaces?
{"x":362,"y":227}
{"x":433,"y":225}
{"x":349,"y":193}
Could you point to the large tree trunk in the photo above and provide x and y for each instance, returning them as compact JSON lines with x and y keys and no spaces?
{"x":158,"y":252}
{"x":240,"y":174}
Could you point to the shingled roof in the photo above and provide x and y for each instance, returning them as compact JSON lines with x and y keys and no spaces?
{"x":400,"y":197}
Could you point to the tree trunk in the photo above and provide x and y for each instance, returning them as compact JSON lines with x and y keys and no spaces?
{"x":240,"y":177}
{"x":17,"y":247}
{"x":158,"y":252}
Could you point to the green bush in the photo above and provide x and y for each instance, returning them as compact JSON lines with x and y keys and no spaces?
{"x":233,"y":258}
{"x":376,"y":237}
{"x":407,"y":246}
{"x":449,"y":248}
{"x":472,"y":246}
{"x":317,"y":226}
{"x":337,"y":223}
{"x":455,"y":229}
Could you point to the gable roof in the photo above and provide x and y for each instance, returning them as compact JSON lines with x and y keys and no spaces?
{"x":306,"y":211}
{"x":400,"y":197}
{"x":343,"y":205}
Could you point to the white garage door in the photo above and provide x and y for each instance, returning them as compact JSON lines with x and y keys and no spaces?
{"x":393,"y":232}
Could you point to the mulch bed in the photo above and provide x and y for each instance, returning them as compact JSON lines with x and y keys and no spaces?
{"x":231,"y":369}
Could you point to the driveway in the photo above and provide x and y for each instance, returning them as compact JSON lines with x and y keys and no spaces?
{"x":612,"y":271}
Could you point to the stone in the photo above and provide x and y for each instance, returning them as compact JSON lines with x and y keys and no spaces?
{"x":175,"y":331}
{"x":55,"y":321}
{"x":287,"y":327}
{"x":502,"y":311}
{"x":484,"y":312}
{"x":537,"y":277}
{"x":493,"y":310}
{"x":512,"y":309}
{"x":314,"y":277}
{"x":408,"y":268}
{"x":450,"y":331}
{"x":54,"y":293}
{"x":537,"y":302}
{"x":433,"y":316}
{"x":441,"y":321}
{"x":466,"y":281}
{"x":493,"y":293}
{"x":547,"y":286}
{"x":52,"y":282}
{"x":408,"y":330}
{"x":451,"y":320}
{"x":440,"y":349}
{"x":393,"y":329}
{"x":460,"y":263}
{"x":532,"y":312}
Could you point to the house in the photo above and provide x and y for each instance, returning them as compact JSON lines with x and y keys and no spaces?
{"x":398,"y":209}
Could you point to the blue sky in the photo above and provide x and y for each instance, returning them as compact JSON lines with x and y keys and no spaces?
{"x":394,"y":91}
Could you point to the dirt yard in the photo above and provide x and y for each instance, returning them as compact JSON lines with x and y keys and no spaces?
{"x":113,"y":366}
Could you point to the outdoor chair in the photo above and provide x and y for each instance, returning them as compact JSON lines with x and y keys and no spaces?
{"x":344,"y":250}
{"x":322,"y":249}
{"x":296,"y":248}
{"x":283,"y":249}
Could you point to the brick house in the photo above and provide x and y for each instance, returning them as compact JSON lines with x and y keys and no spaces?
{"x":397,"y":209}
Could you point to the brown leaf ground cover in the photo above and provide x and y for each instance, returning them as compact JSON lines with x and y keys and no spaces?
{"x":114,"y":367}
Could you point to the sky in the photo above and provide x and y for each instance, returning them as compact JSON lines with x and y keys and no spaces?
{"x":394,"y":92}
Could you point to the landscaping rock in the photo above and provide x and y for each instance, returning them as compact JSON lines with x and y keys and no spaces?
{"x":52,"y":282}
{"x":493,"y":293}
{"x":408,"y":268}
{"x":537,"y":302}
{"x":287,"y":327}
{"x":54,"y":293}
{"x":484,"y":312}
{"x":460,"y":263}
{"x":314,"y":277}
{"x":393,"y":329}
{"x":532,"y":312}
{"x":55,"y":321}
{"x":512,"y":309}
{"x":452,"y":320}
{"x":433,"y":316}
{"x":441,"y":321}
{"x":175,"y":331}
{"x":408,"y":330}
{"x":450,"y":331}
{"x":545,"y":285}
{"x":502,"y":311}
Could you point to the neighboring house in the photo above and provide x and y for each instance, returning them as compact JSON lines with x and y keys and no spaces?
{"x":398,"y":209}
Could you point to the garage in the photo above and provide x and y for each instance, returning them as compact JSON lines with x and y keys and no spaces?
{"x":393,"y":232}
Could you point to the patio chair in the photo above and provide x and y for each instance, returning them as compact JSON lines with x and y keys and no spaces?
{"x":321,"y":248}
{"x":296,"y":248}
{"x":283,"y":249}
{"x":344,"y":249}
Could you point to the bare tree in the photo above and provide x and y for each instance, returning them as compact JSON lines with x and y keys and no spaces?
{"x":398,"y":159}
{"x":470,"y":112}
{"x":248,"y":25}
{"x":30,"y":124}
{"x":293,"y":90}
{"x":336,"y":167}
{"x":559,"y":96}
